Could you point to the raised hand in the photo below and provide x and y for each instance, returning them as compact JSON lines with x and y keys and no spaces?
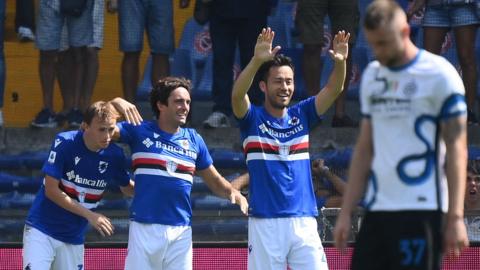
{"x":127,"y":110}
{"x":263,"y":48}
{"x":339,"y":50}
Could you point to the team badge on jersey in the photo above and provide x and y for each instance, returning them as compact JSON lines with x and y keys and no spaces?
{"x":51,"y":157}
{"x":284,"y":150}
{"x":293,"y":121}
{"x":102,"y":166}
{"x":171,"y":166}
{"x":185,"y":144}
{"x":81,"y":196}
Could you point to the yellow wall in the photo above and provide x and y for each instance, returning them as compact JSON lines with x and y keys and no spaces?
{"x":22,"y":68}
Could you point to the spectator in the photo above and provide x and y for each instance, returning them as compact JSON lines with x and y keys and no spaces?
{"x":329,"y":187}
{"x":136,"y":16}
{"x":343,"y":14}
{"x":51,"y":17}
{"x":461,"y":17}
{"x":76,"y":102}
{"x":472,"y":200}
{"x":25,"y":20}
{"x":2,"y":58}
{"x":80,"y":166}
{"x":472,"y":193}
{"x":233,"y":24}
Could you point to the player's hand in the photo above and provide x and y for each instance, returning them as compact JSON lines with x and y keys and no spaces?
{"x":342,"y":230}
{"x":339,"y":50}
{"x":237,"y":198}
{"x":101,"y":223}
{"x":263,"y":48}
{"x":318,"y":167}
{"x":127,"y":110}
{"x":456,"y":238}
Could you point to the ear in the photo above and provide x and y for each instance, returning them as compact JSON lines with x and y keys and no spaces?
{"x":160,"y":106}
{"x":263,"y":86}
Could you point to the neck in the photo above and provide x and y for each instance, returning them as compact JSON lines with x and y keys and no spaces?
{"x":275,"y":112}
{"x":90,"y":146}
{"x":167,"y":126}
{"x":409,"y":54}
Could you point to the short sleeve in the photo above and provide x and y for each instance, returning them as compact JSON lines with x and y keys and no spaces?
{"x":55,"y":163}
{"x":204,"y":160}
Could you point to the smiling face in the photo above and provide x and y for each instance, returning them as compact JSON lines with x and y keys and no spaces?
{"x":175,"y":112}
{"x":278,"y":88}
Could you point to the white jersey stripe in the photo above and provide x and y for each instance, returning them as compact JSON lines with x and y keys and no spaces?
{"x":264,"y":156}
{"x":183,"y":176}
{"x":82,"y":189}
{"x":260,"y":139}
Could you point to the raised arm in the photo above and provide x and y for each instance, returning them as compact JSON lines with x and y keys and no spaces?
{"x":126,"y":110}
{"x":334,"y":86}
{"x":356,"y":183}
{"x":98,"y":221}
{"x":454,"y":133}
{"x":263,"y":53}
{"x":222,"y":188}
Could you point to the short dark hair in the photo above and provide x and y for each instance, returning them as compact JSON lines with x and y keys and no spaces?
{"x":380,"y":13}
{"x":473,"y":166}
{"x":277,"y":61}
{"x":163,"y":88}
{"x":101,"y":109}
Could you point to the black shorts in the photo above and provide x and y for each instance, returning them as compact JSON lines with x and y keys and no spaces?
{"x":399,"y":240}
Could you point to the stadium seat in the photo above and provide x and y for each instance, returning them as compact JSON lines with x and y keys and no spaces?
{"x":10,"y":182}
{"x":228,"y":159}
{"x":211,"y":202}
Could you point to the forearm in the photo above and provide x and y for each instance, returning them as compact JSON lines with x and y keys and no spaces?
{"x":337,"y":182}
{"x":63,"y":200}
{"x":337,"y":77}
{"x":334,"y":87}
{"x":240,"y":101}
{"x":357,"y":180}
{"x":456,"y":167}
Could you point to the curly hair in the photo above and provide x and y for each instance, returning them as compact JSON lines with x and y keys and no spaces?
{"x":163,"y":88}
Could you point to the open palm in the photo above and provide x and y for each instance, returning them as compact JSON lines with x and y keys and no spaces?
{"x":263,"y":47}
{"x":339,"y":50}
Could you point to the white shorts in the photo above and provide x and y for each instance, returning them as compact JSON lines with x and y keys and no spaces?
{"x":274,"y":243}
{"x":159,"y":247}
{"x":42,"y":252}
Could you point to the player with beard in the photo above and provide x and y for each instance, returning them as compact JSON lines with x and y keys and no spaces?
{"x":411,"y":153}
{"x":282,"y":228}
